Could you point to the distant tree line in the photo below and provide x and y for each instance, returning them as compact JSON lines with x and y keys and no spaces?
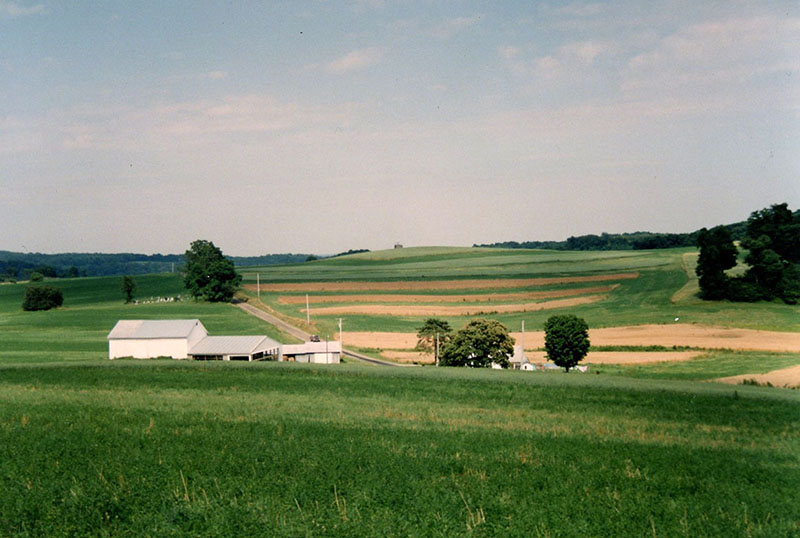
{"x":771,"y":250}
{"x":351,"y":251}
{"x":624,"y":241}
{"x":19,"y":266}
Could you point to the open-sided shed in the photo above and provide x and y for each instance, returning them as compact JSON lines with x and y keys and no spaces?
{"x":236,"y":348}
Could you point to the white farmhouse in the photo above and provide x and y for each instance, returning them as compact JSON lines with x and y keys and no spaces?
{"x":146,"y":339}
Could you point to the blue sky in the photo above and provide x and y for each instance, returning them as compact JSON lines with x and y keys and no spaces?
{"x":319,"y":126}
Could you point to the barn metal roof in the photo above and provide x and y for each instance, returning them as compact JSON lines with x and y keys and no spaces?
{"x":138,"y":329}
{"x":233,"y":345}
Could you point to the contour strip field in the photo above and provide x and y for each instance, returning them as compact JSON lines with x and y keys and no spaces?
{"x":498,"y":283}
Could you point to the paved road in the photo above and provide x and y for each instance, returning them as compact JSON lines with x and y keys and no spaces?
{"x":304,"y":336}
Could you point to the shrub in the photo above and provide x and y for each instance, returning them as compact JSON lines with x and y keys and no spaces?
{"x":42,"y":298}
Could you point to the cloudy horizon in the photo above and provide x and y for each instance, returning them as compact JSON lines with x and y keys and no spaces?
{"x":316,"y":126}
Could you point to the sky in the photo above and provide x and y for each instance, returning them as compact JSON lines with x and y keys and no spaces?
{"x":314,"y":126}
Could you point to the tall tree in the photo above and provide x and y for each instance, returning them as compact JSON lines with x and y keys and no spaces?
{"x":479,"y":344}
{"x":773,"y":245}
{"x":566,"y":340}
{"x":427,"y":335}
{"x":717,"y":253}
{"x":128,"y":288}
{"x":209,"y":274}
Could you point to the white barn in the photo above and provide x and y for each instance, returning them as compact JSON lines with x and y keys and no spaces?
{"x":146,"y":339}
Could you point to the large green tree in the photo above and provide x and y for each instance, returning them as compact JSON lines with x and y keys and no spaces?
{"x":566,"y":340}
{"x":773,"y":254}
{"x":717,"y":254}
{"x":431,"y":330}
{"x":209,"y":274}
{"x":479,"y":344}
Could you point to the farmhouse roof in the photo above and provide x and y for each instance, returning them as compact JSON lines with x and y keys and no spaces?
{"x":139,"y":329}
{"x":233,"y":345}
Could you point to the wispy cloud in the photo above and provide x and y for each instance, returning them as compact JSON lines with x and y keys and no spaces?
{"x":216,"y":75}
{"x":13,"y":9}
{"x":450,"y":27}
{"x":718,"y":56}
{"x":355,"y":61}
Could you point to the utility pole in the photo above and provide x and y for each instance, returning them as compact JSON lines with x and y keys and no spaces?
{"x":340,"y":331}
{"x":258,"y":285}
{"x":437,"y":349}
{"x":308,"y":312}
{"x":522,"y":345}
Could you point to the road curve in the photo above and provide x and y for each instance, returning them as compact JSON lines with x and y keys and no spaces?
{"x":301,"y":334}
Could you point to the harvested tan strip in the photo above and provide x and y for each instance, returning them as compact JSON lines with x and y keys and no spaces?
{"x":438,"y":284}
{"x":412,"y":310}
{"x":408,"y":356}
{"x":476,"y":298}
{"x":624,"y":357}
{"x":594,"y":357}
{"x":785,"y":377}
{"x":699,"y":336}
{"x":382,"y":340}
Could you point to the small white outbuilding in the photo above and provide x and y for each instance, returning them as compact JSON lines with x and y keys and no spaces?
{"x":314,"y":352}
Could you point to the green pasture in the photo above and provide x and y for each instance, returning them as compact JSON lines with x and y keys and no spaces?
{"x":92,"y":306}
{"x":430,"y":263}
{"x":166,"y":448}
{"x":665,"y":289}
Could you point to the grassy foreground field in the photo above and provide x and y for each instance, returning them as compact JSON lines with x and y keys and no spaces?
{"x":164,"y":448}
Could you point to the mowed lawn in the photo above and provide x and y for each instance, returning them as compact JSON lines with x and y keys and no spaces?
{"x":156,"y":448}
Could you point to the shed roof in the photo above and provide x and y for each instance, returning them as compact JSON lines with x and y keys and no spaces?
{"x":233,"y":345}
{"x":138,"y":329}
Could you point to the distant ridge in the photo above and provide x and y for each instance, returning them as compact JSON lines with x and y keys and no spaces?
{"x":19,"y":265}
{"x":623,"y":241}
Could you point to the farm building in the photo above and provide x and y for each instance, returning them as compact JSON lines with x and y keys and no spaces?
{"x":187,"y":338}
{"x":145,"y":339}
{"x":314,"y":352}
{"x":519,"y":361}
{"x":236,"y":348}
